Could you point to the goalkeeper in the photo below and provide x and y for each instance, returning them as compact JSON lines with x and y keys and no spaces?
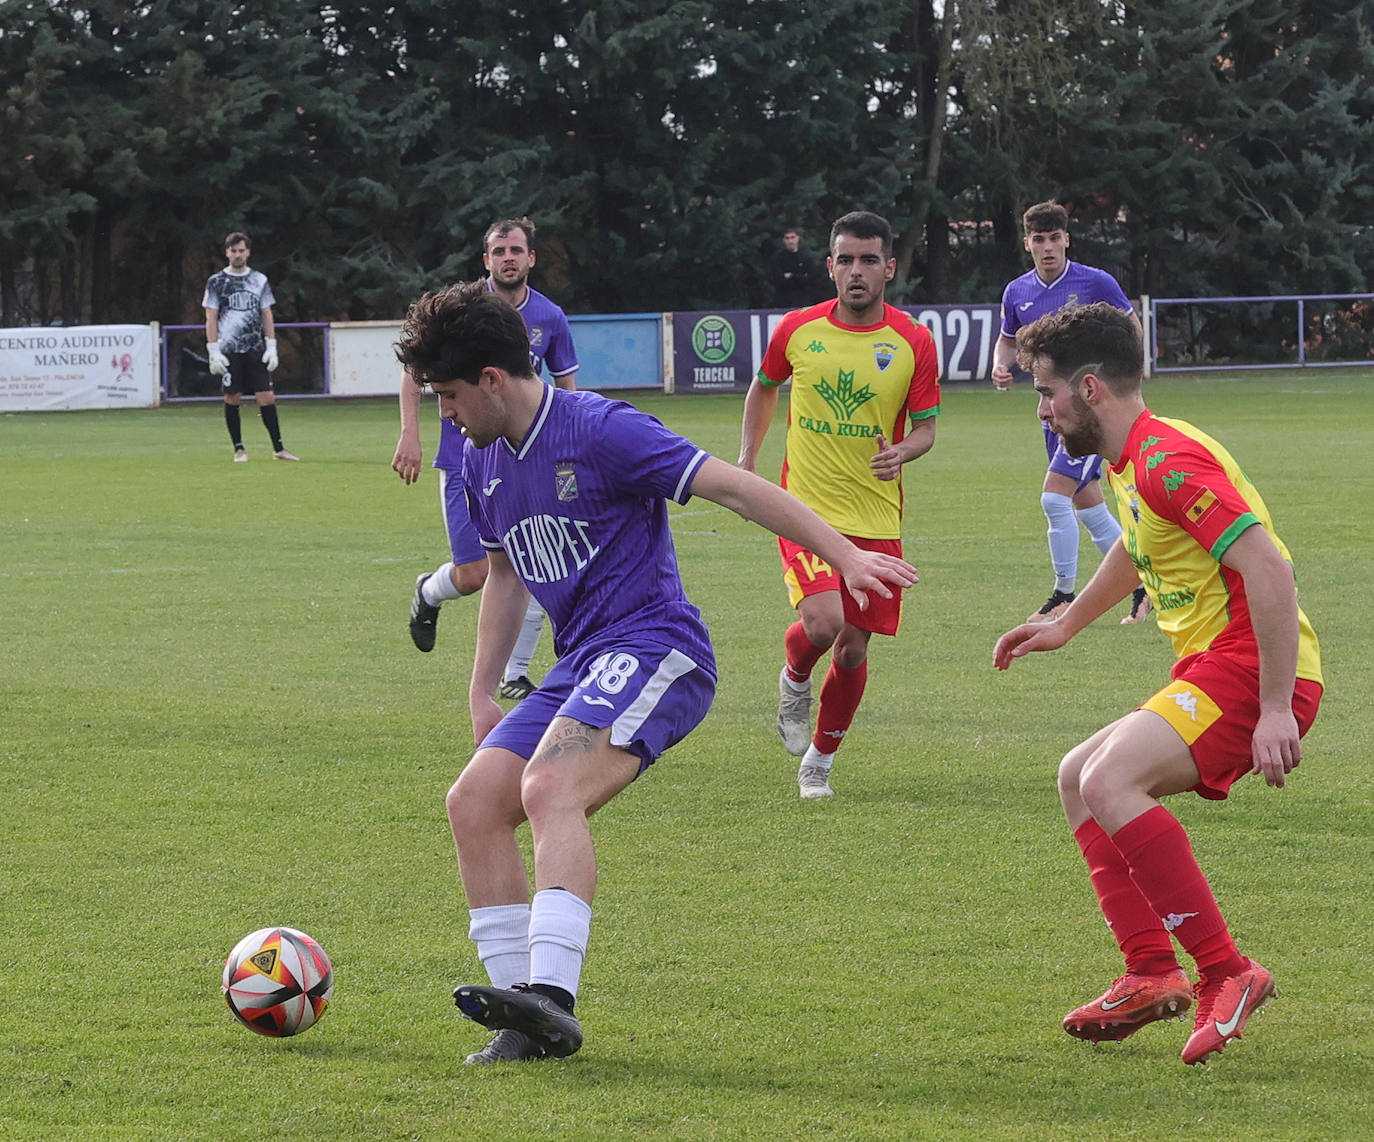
{"x":241,"y":341}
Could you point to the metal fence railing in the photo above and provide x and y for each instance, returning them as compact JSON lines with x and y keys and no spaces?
{"x":302,"y":347}
{"x":1195,"y":334}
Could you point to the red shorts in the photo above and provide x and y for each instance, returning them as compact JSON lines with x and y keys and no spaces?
{"x":808,"y":574}
{"x":1213,"y":705}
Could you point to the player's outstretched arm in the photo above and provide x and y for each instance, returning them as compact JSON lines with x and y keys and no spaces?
{"x":1275,"y":748}
{"x":760,"y":404}
{"x":409,"y":453}
{"x":502,"y":611}
{"x":764,"y":503}
{"x":1114,"y":579}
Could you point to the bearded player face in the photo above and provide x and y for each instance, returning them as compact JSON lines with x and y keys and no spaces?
{"x":1068,"y":414}
{"x":509,"y":259}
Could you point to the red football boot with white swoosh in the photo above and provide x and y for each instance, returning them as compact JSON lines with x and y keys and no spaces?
{"x":1224,"y":1008}
{"x":1131,"y":1002}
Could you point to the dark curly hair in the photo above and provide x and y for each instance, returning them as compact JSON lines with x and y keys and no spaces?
{"x":456,"y":332}
{"x":1099,"y":338}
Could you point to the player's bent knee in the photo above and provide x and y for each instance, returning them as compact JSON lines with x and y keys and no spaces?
{"x":822,"y":630}
{"x":1070,"y":772}
{"x":469,"y":578}
{"x":849,"y":655}
{"x":461,"y":808}
{"x":1100,"y":786}
{"x":547,"y":788}
{"x":482,"y":799}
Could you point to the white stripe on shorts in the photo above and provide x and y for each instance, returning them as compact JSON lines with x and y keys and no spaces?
{"x":625,"y":728}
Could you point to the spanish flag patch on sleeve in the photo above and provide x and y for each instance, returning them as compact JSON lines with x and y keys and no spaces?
{"x":1200,"y":506}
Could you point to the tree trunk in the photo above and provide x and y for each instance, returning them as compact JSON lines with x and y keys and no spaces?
{"x":932,"y":91}
{"x":9,"y":294}
{"x":68,"y":306}
{"x":100,"y":272}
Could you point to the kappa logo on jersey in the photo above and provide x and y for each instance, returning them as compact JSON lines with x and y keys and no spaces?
{"x":565,"y":480}
{"x":884,"y":354}
{"x":1201,"y":505}
{"x":816,"y":347}
{"x":1173,"y":480}
{"x":1187,"y":702}
{"x":843,"y":398}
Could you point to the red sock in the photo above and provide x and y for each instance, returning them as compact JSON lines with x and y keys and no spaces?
{"x":840,"y":696}
{"x":802,"y":653}
{"x":1142,"y":939}
{"x":1156,"y":849}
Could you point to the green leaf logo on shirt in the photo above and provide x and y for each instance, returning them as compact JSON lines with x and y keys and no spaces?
{"x":842,"y":397}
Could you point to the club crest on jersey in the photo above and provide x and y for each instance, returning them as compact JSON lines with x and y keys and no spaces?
{"x":1134,"y":502}
{"x":565,"y":480}
{"x":536,"y":335}
{"x":883,"y":355}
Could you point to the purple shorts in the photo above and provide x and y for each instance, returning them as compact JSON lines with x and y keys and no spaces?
{"x":650,"y":695}
{"x":1082,"y":470}
{"x":462,"y":533}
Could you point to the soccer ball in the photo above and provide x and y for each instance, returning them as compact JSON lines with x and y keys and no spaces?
{"x":277,"y":981}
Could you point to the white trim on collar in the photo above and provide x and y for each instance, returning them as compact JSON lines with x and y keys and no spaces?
{"x":1062,"y":275}
{"x":545,"y":407}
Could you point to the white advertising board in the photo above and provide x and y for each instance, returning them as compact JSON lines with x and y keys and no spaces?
{"x":83,"y":366}
{"x":362,"y":359}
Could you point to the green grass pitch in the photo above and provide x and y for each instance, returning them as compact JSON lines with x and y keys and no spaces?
{"x":212,"y":719}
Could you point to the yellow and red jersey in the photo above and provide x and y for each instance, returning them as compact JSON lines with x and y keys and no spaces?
{"x":849,"y":384}
{"x":1183,"y":501}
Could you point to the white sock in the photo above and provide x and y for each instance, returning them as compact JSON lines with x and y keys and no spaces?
{"x":1101,"y":524}
{"x":501,"y":933}
{"x":1063,"y":536}
{"x":797,"y":687}
{"x":526,"y":644}
{"x":813,"y":756}
{"x":560,"y":925}
{"x":439,"y":587}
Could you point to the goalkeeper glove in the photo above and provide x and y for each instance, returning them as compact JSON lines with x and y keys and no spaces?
{"x":219,"y":363}
{"x":269,"y":355}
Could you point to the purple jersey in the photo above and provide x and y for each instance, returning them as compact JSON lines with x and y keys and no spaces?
{"x":1027,"y":298}
{"x":551,"y":343}
{"x":579,"y":510}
